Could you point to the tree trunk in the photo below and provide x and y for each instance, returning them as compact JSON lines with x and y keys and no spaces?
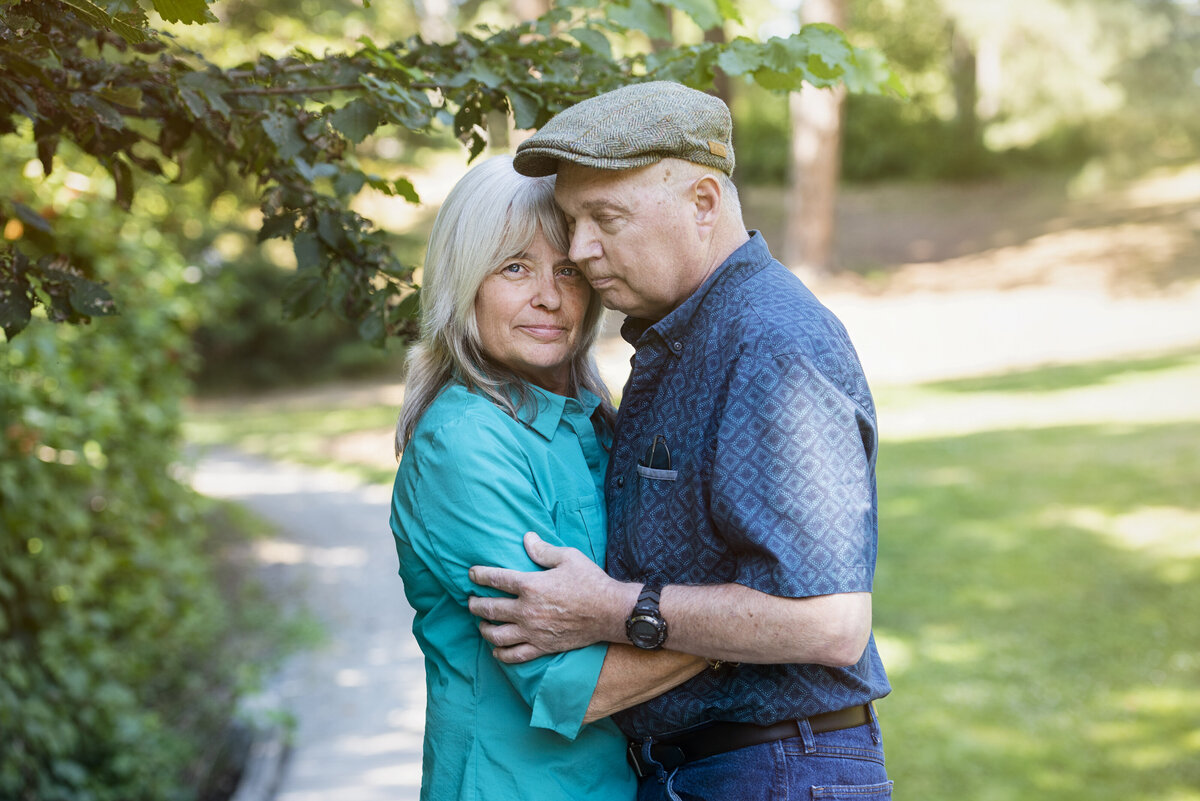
{"x":815,"y":160}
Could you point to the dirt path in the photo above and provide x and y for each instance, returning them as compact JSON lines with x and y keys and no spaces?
{"x":359,"y":698}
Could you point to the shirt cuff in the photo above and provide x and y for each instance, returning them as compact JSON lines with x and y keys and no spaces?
{"x":566,"y":689}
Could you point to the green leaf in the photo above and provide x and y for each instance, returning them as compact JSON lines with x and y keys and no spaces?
{"x":740,"y":57}
{"x":592,"y":40}
{"x":281,"y":225}
{"x":91,"y":299}
{"x":99,"y":18}
{"x":210,"y":88}
{"x":308,"y":250}
{"x":186,"y":11}
{"x":481,"y":71}
{"x":348,"y":183}
{"x":728,"y":10}
{"x":281,"y":129}
{"x":195,"y":104}
{"x":304,"y":295}
{"x":16,"y":306}
{"x":356,"y":120}
{"x":372,"y":328}
{"x":330,"y":229}
{"x":129,"y":96}
{"x":106,"y":115}
{"x":704,"y":13}
{"x":406,"y":190}
{"x":641,"y":15}
{"x":410,"y":306}
{"x":828,"y":44}
{"x":525,"y":109}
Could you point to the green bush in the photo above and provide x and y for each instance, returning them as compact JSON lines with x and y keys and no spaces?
{"x":123,"y":645}
{"x":243,"y":340}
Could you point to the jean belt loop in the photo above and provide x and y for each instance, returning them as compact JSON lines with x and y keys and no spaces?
{"x":807,"y":737}
{"x":876,"y":734}
{"x":647,"y":744}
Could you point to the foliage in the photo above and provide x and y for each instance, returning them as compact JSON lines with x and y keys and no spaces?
{"x":1058,"y":83}
{"x":243,"y":342}
{"x":151,"y":109}
{"x":118,"y":671}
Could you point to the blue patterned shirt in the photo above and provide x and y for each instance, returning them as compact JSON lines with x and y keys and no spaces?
{"x":760,"y":400}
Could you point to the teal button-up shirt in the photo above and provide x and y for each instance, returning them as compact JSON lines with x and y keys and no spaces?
{"x":471,"y":482}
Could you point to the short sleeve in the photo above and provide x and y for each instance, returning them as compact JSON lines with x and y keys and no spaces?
{"x":470,"y":497}
{"x":793,"y":481}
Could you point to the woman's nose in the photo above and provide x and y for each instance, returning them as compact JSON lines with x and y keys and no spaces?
{"x":546,"y":292}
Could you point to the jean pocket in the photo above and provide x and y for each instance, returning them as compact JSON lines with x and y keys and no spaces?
{"x":859,"y":792}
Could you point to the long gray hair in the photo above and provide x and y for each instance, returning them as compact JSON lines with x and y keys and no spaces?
{"x":491,"y":215}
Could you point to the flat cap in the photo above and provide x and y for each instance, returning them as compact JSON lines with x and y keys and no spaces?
{"x":633,"y":126}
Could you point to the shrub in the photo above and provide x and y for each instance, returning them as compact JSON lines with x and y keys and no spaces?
{"x":116,"y":679}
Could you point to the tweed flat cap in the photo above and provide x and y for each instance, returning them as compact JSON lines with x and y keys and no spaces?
{"x":633,"y":126}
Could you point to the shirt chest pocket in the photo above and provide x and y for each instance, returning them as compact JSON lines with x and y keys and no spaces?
{"x":580,"y":523}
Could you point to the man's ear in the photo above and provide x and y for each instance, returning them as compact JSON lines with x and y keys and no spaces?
{"x":707,"y":198}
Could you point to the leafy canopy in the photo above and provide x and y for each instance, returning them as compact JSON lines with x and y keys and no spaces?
{"x":148,"y":109}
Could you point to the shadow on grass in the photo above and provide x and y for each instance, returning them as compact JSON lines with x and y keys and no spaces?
{"x":1053,"y":378}
{"x":1035,"y":603}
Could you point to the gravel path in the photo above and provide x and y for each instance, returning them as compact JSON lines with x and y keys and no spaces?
{"x":359,"y":698}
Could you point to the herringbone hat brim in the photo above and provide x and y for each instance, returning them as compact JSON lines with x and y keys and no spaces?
{"x":633,"y":126}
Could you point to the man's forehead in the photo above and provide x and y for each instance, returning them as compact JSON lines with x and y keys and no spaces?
{"x":588,"y":187}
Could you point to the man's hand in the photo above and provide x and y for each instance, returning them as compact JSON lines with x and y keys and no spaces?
{"x":571,"y":604}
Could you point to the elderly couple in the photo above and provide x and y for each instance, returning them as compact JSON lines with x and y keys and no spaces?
{"x":689,"y":614}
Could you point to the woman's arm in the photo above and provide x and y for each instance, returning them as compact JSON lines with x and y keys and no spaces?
{"x":630,"y":676}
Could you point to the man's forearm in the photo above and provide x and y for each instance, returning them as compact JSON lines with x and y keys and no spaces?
{"x":630,"y":676}
{"x":573,"y":604}
{"x":737,"y":624}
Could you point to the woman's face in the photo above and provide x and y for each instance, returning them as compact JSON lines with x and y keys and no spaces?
{"x":530,"y":314}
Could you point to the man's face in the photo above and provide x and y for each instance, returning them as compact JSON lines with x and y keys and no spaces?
{"x":632,"y":234}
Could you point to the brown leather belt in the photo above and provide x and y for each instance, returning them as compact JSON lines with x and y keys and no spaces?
{"x":717,"y":738}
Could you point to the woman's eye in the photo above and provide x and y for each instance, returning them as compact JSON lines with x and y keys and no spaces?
{"x":569,"y":272}
{"x":515,"y":267}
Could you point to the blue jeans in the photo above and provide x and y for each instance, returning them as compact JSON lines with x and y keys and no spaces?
{"x":840,"y":765}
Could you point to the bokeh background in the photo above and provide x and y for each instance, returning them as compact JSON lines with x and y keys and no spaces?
{"x":1014,"y":248}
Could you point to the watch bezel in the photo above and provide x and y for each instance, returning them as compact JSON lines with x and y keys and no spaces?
{"x":645,"y":627}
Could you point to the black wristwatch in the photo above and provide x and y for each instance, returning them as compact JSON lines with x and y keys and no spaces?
{"x":645,"y":626}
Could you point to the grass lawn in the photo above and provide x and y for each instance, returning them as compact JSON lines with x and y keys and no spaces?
{"x":1037,"y":599}
{"x":1039,"y":581}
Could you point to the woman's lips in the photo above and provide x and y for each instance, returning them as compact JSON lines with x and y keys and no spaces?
{"x":546,"y":332}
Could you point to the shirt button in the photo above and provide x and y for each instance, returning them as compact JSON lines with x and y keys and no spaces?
{"x":620,"y":482}
{"x":677,"y":346}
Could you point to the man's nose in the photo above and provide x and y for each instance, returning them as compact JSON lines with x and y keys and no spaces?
{"x":584,"y":245}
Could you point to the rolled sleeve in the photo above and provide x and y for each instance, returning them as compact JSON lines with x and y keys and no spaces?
{"x":473,"y":499}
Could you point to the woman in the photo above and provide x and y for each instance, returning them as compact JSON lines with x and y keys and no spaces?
{"x":504,"y":430}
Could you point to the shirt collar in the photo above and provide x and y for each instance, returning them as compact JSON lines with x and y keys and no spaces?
{"x":545,"y":409}
{"x":748,"y":259}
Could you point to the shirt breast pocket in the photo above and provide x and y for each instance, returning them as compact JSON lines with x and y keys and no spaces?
{"x":580,"y":523}
{"x":654,"y":489}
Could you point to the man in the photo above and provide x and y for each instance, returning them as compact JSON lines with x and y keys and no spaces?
{"x":741,"y":487}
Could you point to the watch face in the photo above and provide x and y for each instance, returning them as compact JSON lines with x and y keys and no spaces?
{"x":645,"y":633}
